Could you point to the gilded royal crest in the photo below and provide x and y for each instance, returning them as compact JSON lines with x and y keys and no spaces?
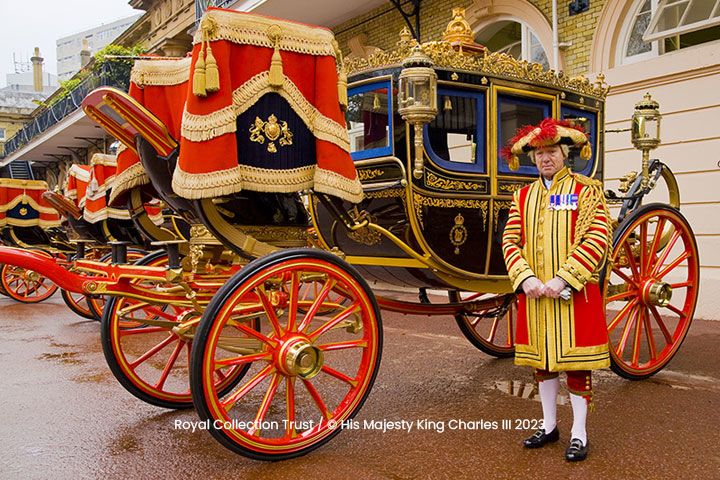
{"x":272,"y":130}
{"x":458,"y":233}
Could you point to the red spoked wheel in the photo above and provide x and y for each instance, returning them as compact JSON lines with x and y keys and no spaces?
{"x":312,"y":368}
{"x":651,"y":291}
{"x":25,"y":286}
{"x":2,"y":289}
{"x":78,"y":303}
{"x":491,"y":332}
{"x":147,"y":347}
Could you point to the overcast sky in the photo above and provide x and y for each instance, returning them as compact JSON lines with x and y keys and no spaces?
{"x":39,"y":23}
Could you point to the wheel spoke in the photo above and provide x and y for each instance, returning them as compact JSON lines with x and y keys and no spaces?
{"x":254,"y":333}
{"x":265,"y":405}
{"x":643,"y":245}
{"x":316,"y":398}
{"x":242,"y":360}
{"x":160,"y":313}
{"x":230,"y":402}
{"x":619,"y":316}
{"x":661,"y":324}
{"x":631,"y":261}
{"x":621,"y":295}
{"x":689,"y":283}
{"x":627,"y":279}
{"x":294,"y":298}
{"x":666,"y":252}
{"x":269,"y":311}
{"x":636,"y":340}
{"x":671,"y":265}
{"x":649,"y":335}
{"x":169,"y":365}
{"x":141,"y":330}
{"x":655,"y":243}
{"x":673,"y":308}
{"x":327,"y":347}
{"x":335,"y":320}
{"x":152,"y":351}
{"x":310,"y":315}
{"x":626,"y":332}
{"x":339,"y":375}
{"x":290,"y":431}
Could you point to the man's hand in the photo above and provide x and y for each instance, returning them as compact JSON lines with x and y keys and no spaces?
{"x":554,"y":287}
{"x":533,"y":287}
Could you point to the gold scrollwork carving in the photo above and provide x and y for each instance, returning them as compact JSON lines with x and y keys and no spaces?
{"x":370,"y":174}
{"x":388,"y":193}
{"x":458,"y":233}
{"x":497,"y":206}
{"x":441,"y":183}
{"x":423,"y":201}
{"x":272,"y":130}
{"x":444,"y":55}
{"x":510,"y":187}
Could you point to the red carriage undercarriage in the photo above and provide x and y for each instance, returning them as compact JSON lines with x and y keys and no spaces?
{"x":261,"y":315}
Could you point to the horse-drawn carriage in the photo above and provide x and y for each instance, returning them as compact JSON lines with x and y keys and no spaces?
{"x":263,"y":319}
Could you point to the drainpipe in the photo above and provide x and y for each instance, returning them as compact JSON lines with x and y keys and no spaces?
{"x":556,"y":43}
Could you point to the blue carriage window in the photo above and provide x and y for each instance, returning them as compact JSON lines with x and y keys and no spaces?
{"x":514,"y":112}
{"x":369,"y":120}
{"x":588,"y":120}
{"x":455,"y":139}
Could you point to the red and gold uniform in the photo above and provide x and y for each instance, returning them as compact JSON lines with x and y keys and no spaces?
{"x":553,"y":334}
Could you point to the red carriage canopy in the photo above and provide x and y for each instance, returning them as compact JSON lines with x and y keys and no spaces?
{"x":22,"y":204}
{"x":267,"y":117}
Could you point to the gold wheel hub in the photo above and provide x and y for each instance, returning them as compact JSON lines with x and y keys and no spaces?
{"x":657,"y":293}
{"x":299,"y":357}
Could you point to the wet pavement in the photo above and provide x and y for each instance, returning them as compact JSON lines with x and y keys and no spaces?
{"x":63,"y":415}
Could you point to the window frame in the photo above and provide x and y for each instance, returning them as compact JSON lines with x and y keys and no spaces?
{"x":660,"y":9}
{"x":593,"y":134}
{"x":377,"y":151}
{"x":479,"y":166}
{"x":548,"y":109}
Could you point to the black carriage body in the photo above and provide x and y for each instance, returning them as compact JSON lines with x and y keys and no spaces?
{"x":456,"y":212}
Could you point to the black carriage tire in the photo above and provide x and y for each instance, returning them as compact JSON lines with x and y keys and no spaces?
{"x":212,"y":311}
{"x":117,"y":371}
{"x":472,"y":335}
{"x":619,"y":233}
{"x":72,"y":305}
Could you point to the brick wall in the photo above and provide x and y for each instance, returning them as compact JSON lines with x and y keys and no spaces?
{"x":382,"y":25}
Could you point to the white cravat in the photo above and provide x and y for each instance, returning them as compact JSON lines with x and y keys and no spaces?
{"x":548,"y":183}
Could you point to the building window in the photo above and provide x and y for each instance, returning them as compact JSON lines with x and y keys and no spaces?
{"x":514,"y":38}
{"x":656,"y":27}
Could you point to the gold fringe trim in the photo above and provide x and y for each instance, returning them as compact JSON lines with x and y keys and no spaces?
{"x":26,"y":200}
{"x":160,"y":72}
{"x":201,"y":128}
{"x":79,"y":173}
{"x":24,"y":184}
{"x":242,"y":177}
{"x":332,"y":183}
{"x":252,"y":29}
{"x":35,"y":222}
{"x":105,"y":213}
{"x":104,"y":159}
{"x":134,"y":176}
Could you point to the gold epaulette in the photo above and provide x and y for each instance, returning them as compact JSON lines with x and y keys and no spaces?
{"x":582,"y":179}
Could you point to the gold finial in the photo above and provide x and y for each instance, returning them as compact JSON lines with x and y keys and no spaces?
{"x":458,"y":30}
{"x":406,"y":38}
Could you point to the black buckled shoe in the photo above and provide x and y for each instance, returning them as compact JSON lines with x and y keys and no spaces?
{"x":576,"y":451}
{"x":540,"y":438}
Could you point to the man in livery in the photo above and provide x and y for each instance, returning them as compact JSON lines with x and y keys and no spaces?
{"x":554,"y":244}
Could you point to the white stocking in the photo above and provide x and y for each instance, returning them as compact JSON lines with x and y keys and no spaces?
{"x":580,"y":409}
{"x":548,"y":397}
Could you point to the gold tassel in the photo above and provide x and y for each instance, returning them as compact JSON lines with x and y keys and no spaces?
{"x":514,"y":163}
{"x":376,"y":103}
{"x":447,"y":104}
{"x":342,"y":89}
{"x":212,"y":75}
{"x":586,"y":151}
{"x":199,"y":75}
{"x":276,"y":69}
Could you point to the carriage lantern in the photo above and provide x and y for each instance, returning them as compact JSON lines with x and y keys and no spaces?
{"x":418,"y":98}
{"x":646,"y":131}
